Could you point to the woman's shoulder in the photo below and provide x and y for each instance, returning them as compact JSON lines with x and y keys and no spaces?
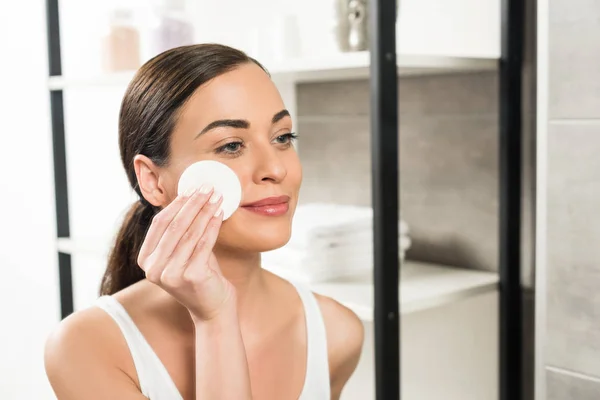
{"x":90,"y":325}
{"x":86,"y":333}
{"x":344,"y":329}
{"x":345,"y":336}
{"x":93,"y":330}
{"x":86,"y":342}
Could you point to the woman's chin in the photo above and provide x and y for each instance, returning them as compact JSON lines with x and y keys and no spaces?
{"x":263,"y":243}
{"x":255,"y":239}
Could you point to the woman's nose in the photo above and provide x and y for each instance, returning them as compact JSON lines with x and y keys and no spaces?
{"x":270,"y":165}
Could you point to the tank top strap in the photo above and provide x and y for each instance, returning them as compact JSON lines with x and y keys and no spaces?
{"x":317,"y":384}
{"x":149,"y":368}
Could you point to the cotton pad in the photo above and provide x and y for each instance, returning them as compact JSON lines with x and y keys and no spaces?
{"x":217,"y":175}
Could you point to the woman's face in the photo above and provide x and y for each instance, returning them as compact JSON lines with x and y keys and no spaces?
{"x":240,"y":120}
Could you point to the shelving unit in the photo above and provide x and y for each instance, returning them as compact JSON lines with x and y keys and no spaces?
{"x":394,"y":290}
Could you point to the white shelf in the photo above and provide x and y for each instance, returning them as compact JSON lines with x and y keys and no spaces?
{"x":343,"y":66}
{"x":346,"y":66}
{"x":97,"y":247}
{"x":117,"y":79}
{"x":422,"y":285}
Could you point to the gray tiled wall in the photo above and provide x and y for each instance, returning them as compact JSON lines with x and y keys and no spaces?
{"x":573,"y":196}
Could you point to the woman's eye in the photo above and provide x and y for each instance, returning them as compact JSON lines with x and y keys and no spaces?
{"x":288,"y":138}
{"x":230,"y":148}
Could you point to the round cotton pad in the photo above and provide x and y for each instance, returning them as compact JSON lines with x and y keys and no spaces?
{"x":220,"y":177}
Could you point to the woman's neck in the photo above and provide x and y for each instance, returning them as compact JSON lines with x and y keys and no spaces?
{"x":245,"y":273}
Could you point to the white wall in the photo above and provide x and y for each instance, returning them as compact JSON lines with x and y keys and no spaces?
{"x":29,"y":300}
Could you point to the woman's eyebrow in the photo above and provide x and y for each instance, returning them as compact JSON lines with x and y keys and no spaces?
{"x":228,"y":123}
{"x":240,"y":123}
{"x":280,"y":115}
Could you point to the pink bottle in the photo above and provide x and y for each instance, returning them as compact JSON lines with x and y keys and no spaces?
{"x":121,"y":44}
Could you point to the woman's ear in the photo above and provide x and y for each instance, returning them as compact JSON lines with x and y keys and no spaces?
{"x":149,"y":181}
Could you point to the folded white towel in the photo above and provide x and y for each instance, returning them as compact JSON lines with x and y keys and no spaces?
{"x":346,"y":249}
{"x":325,"y":221}
{"x":329,"y":241}
{"x":364,"y":238}
{"x":326,"y":265}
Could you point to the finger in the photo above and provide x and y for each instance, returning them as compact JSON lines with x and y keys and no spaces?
{"x":158,"y":226}
{"x":203,"y":249}
{"x":195,"y":235}
{"x":181,"y":222}
{"x":160,"y":259}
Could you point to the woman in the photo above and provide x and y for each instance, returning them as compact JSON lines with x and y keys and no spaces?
{"x":187,"y":311}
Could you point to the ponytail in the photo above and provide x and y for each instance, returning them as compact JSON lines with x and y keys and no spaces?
{"x":123,"y":270}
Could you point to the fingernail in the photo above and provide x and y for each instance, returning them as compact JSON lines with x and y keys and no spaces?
{"x":189,"y":192}
{"x":205,"y":189}
{"x":215,"y":197}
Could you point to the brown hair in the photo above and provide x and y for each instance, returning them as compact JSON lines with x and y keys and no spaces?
{"x":148,"y":114}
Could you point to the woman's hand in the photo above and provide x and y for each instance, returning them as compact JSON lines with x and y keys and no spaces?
{"x":177,"y":254}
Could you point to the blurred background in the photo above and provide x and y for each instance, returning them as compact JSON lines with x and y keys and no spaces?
{"x":317,"y":52}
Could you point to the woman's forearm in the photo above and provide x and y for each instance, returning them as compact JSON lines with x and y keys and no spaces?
{"x":221,"y":364}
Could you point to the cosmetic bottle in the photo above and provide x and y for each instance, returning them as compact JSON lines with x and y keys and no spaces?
{"x":121,"y":43}
{"x":170,"y":26}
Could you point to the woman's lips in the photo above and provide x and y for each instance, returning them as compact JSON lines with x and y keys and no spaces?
{"x":272,"y":206}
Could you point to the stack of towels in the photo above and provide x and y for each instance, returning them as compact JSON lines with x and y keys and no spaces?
{"x":329,"y":241}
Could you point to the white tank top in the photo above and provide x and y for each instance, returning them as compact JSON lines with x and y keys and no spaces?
{"x":156,"y":383}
